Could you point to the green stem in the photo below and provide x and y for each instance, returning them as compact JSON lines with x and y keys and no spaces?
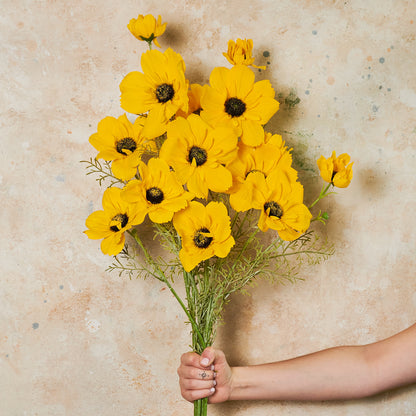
{"x":201,"y":407}
{"x":237,"y":234}
{"x":234,"y":219}
{"x":134,"y":234}
{"x":322,"y":194}
{"x":320,"y":253}
{"x":248,"y":241}
{"x":192,"y":298}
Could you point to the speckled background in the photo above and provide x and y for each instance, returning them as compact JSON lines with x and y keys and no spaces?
{"x":75,"y":340}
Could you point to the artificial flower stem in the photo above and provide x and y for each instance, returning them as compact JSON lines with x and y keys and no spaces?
{"x":193,"y":323}
{"x":248,"y":241}
{"x":133,"y":233}
{"x":204,"y":317}
{"x":237,"y":234}
{"x":234,"y":220}
{"x":192,"y":298}
{"x":322,"y":194}
{"x":201,"y":407}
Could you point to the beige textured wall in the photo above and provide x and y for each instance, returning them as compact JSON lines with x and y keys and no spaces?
{"x":75,"y":340}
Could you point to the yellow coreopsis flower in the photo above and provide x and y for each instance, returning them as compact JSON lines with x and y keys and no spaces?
{"x":161,"y":90}
{"x":146,"y":28}
{"x":271,"y":155}
{"x":110,"y":224}
{"x":239,"y":53}
{"x":158,"y":193}
{"x":205,"y":232}
{"x":336,"y":170}
{"x":280,"y":202}
{"x":120,"y":141}
{"x":234,"y":99}
{"x":199,"y":154}
{"x":194,"y":95}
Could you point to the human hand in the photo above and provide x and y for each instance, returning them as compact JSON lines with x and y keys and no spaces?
{"x":205,"y":375}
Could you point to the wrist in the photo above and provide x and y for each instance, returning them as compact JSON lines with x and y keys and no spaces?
{"x":240,"y":383}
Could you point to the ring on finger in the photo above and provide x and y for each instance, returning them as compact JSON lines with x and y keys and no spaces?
{"x":203,"y":375}
{"x":207,"y":375}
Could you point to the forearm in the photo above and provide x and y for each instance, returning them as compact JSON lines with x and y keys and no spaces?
{"x":336,"y":373}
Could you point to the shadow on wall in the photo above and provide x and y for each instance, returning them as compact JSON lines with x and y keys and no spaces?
{"x":372,"y":181}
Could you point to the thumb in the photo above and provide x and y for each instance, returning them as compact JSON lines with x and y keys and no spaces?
{"x":210,"y":356}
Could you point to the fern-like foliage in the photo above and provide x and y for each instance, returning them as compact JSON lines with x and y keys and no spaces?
{"x":103,"y":170}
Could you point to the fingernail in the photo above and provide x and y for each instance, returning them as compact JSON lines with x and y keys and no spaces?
{"x":212,"y":367}
{"x":215,"y":374}
{"x":214,"y":383}
{"x":204,"y":362}
{"x":212,"y":389}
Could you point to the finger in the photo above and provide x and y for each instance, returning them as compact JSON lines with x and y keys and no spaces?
{"x":207,"y":357}
{"x":191,"y":359}
{"x":195,"y":373}
{"x":202,"y":374}
{"x":211,"y":356}
{"x":194,"y":384}
{"x":192,"y":395}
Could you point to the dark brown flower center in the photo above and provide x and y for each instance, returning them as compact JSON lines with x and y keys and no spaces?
{"x":275,"y":209}
{"x":122,"y":219}
{"x":154,"y":195}
{"x":126,"y":144}
{"x":201,"y":240}
{"x":200,"y":155}
{"x":164,"y":93}
{"x":234,"y":107}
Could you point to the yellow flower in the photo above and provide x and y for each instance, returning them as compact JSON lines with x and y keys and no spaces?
{"x":161,"y":90}
{"x":336,"y":170}
{"x":271,"y":155}
{"x":194,"y":96}
{"x":239,"y":53}
{"x":205,"y":232}
{"x":198,"y":153}
{"x":118,"y":216}
{"x":280,"y":201}
{"x":233,"y":98}
{"x":122,"y":142}
{"x":158,"y":193}
{"x":147,"y":28}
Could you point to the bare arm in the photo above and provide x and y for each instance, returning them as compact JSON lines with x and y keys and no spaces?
{"x":337,"y":373}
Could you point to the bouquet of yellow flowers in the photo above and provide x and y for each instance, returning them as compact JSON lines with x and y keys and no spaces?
{"x":196,"y":160}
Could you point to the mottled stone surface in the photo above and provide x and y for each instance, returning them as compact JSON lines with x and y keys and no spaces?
{"x":75,"y":340}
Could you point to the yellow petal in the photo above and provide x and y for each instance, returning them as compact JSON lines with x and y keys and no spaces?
{"x":197,"y":185}
{"x":218,"y":78}
{"x":218,"y":179}
{"x":156,"y":123}
{"x":343,"y":179}
{"x":160,"y":215}
{"x":241,"y":81}
{"x":288,"y":234}
{"x":112,"y":200}
{"x":298,"y":218}
{"x":136,"y":94}
{"x":222,"y":250}
{"x":113,"y":244}
{"x":252,"y":133}
{"x":191,"y":259}
{"x":122,"y":169}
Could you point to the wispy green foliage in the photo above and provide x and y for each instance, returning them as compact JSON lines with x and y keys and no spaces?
{"x":209,"y":286}
{"x":103,"y":170}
